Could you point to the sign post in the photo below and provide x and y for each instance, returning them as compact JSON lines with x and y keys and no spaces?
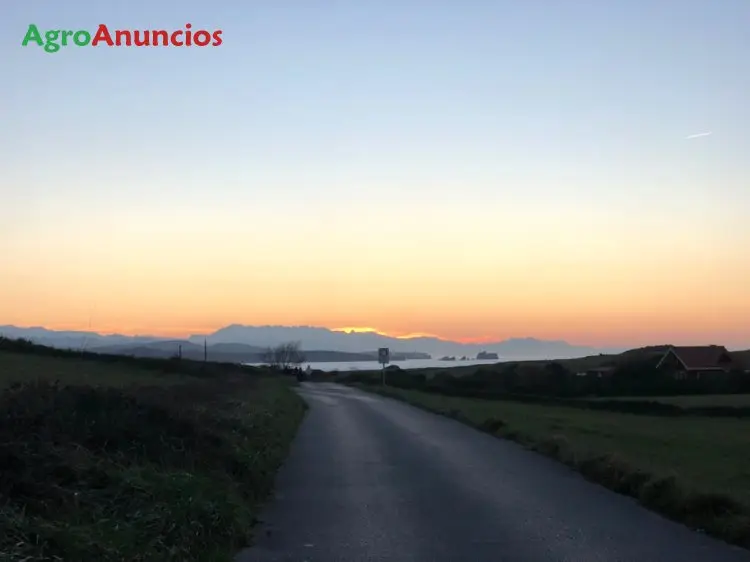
{"x":383,"y":359}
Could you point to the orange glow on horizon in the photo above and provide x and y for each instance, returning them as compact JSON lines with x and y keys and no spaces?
{"x":551,"y":278}
{"x":413,"y":335}
{"x":389,"y":334}
{"x":358,"y":330}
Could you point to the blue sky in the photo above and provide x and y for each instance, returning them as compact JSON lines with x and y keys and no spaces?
{"x":317,"y":97}
{"x":347,"y":108}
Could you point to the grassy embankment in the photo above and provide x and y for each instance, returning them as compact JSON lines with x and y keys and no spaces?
{"x":117,"y":459}
{"x":695,"y":470}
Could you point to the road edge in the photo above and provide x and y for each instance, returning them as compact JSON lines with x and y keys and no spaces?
{"x":717,"y":515}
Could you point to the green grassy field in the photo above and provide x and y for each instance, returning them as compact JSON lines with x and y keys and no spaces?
{"x":732,"y":400}
{"x":21,"y":367}
{"x":115,"y":462}
{"x":696,"y":470}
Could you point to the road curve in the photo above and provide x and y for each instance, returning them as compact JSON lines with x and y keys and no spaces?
{"x":370,"y":478}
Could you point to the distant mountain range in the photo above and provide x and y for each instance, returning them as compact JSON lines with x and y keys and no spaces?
{"x":247,"y":344}
{"x":323,"y":338}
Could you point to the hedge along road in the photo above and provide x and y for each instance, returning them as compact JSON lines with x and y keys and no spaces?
{"x":370,"y":478}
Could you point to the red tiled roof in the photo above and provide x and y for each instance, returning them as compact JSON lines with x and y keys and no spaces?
{"x":702,"y":356}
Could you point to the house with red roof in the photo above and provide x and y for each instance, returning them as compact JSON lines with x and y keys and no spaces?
{"x":696,"y":361}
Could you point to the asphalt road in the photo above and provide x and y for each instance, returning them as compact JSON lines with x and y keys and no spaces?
{"x":370,"y":478}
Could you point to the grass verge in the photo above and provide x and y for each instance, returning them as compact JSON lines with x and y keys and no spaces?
{"x":692,"y":401}
{"x":116,"y":465}
{"x":692,"y":470}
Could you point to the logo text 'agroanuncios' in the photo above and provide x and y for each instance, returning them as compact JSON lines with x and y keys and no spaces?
{"x":54,"y":39}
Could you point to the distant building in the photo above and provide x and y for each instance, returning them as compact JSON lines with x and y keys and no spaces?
{"x":686,"y":362}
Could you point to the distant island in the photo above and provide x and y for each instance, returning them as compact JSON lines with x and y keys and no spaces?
{"x":487,"y":355}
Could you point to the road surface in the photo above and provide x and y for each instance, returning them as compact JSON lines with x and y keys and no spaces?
{"x":370,"y":478}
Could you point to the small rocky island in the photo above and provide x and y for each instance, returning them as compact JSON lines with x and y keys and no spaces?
{"x":487,"y":355}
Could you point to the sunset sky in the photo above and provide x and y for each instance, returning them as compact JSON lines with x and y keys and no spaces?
{"x":475,"y":170}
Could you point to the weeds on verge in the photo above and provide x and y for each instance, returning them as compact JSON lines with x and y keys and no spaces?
{"x":138,"y":473}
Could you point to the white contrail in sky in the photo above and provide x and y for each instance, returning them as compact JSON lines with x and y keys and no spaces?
{"x":699,"y":135}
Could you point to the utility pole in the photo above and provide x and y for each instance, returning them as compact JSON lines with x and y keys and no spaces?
{"x":179,"y":351}
{"x":205,"y":350}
